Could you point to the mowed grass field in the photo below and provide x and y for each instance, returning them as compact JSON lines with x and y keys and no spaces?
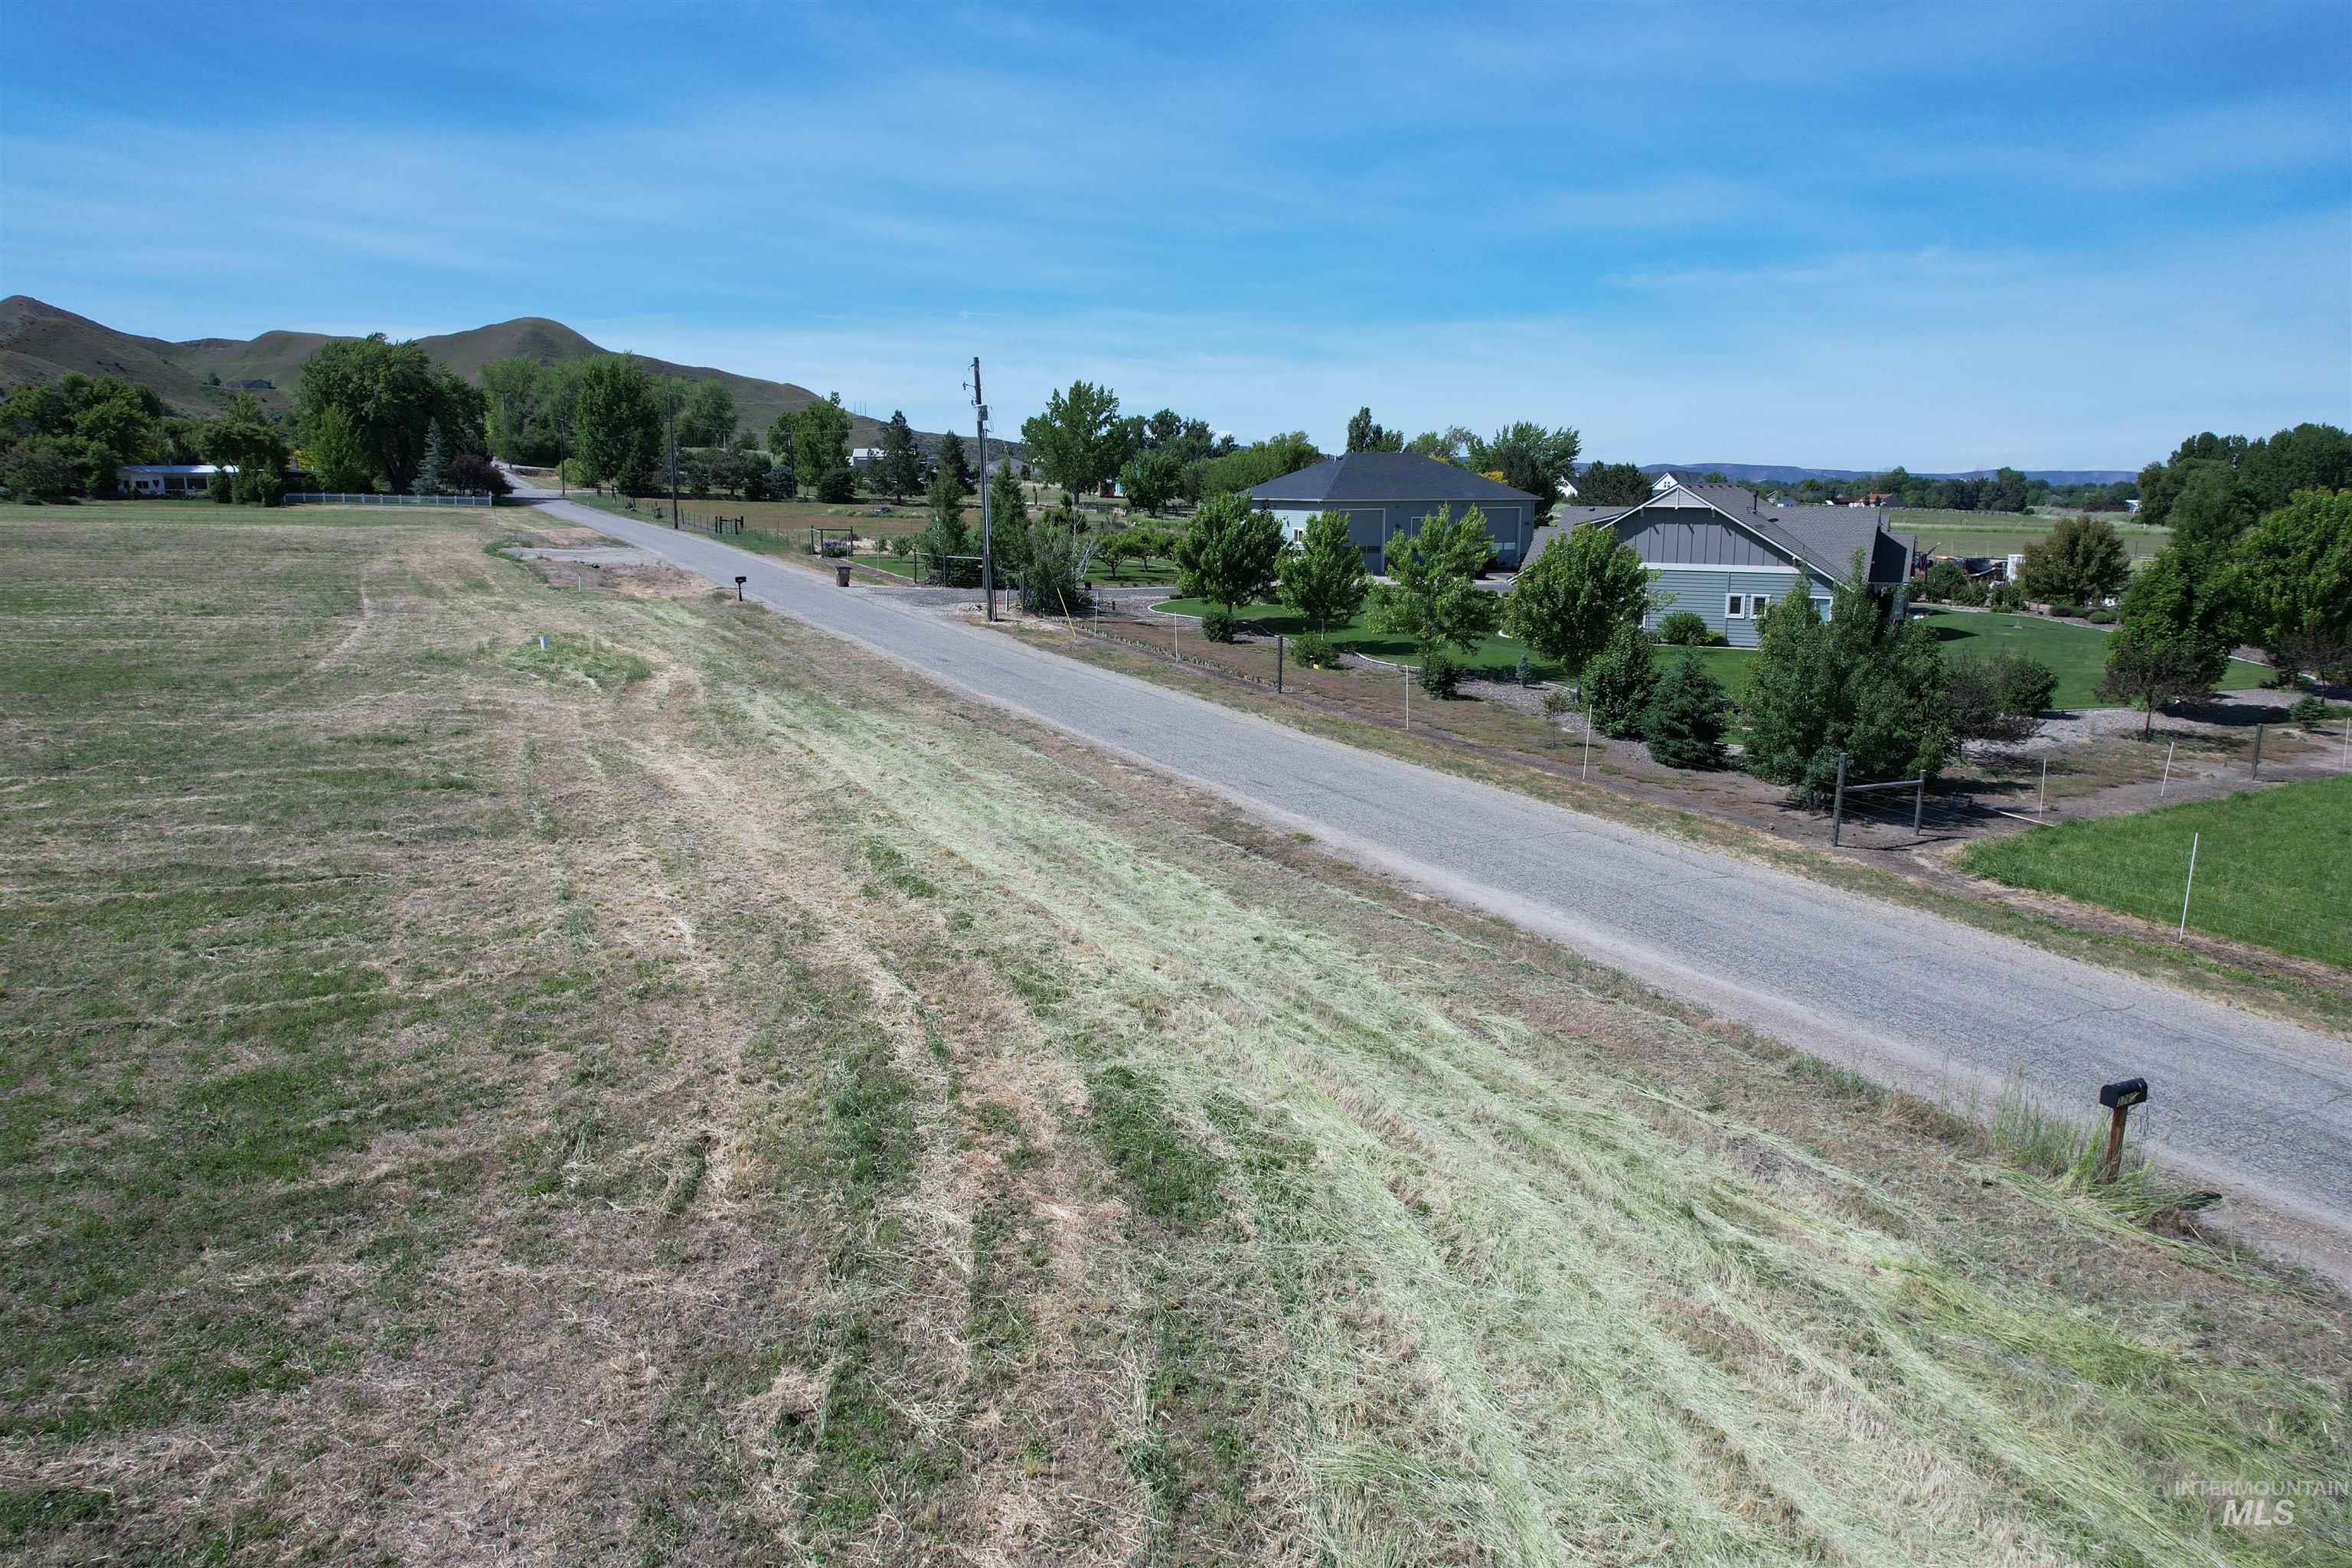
{"x":2272,"y":865}
{"x":695,"y":1094}
{"x":1980,"y":533}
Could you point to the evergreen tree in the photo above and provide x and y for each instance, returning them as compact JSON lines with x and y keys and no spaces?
{"x":1868,"y":682}
{"x":1008,"y":507}
{"x":952,"y":458}
{"x":946,"y":539}
{"x":1322,"y":578}
{"x":1684,"y":721}
{"x":901,"y":467}
{"x":435,"y":461}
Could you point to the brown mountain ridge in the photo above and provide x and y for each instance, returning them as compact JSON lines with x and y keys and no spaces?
{"x":40,"y":342}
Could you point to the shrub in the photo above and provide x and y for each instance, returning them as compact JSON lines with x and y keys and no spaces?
{"x":902,"y":545}
{"x":1049,"y":573}
{"x":2308,"y":711}
{"x":2027,"y":685}
{"x":2101,"y":617}
{"x":2005,"y":596}
{"x":1996,"y":698}
{"x":259,"y":486}
{"x":1440,"y":674}
{"x":1685,"y":628}
{"x":1619,"y":681}
{"x":221,"y":488}
{"x":1558,"y":704}
{"x":2067,"y":611}
{"x":1944,"y":580}
{"x":836,"y":484}
{"x":470,"y":473}
{"x":1314,"y":651}
{"x":1219,"y":625}
{"x":1971,"y":594}
{"x":1524,"y":672}
{"x":1684,"y":722}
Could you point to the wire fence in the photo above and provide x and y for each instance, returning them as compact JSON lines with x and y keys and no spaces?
{"x":362,"y":498}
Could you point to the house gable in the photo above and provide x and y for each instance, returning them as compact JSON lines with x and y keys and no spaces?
{"x":1678,"y":528}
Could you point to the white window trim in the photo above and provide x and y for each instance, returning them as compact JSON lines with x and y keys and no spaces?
{"x":1734,"y":606}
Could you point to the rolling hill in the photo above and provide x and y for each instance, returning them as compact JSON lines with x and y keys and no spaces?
{"x":1784,"y":473}
{"x":40,"y":342}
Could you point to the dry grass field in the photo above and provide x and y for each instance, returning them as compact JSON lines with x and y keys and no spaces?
{"x":694,"y":1093}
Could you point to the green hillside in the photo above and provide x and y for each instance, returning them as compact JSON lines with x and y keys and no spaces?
{"x":40,"y":342}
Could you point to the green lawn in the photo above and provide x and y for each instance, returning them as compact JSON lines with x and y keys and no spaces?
{"x":2077,"y":653}
{"x":1497,"y":656}
{"x":2270,"y":866}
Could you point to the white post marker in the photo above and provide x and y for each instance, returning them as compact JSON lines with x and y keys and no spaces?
{"x":2164,"y":788}
{"x":1408,"y":702}
{"x":2186,"y":885}
{"x":1585,"y":772}
{"x":2042,"y":802}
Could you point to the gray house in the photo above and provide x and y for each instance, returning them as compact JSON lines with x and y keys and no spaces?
{"x":1721,"y":553}
{"x":1386,"y":495}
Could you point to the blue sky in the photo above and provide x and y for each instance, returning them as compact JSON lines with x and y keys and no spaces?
{"x":2052,"y":234}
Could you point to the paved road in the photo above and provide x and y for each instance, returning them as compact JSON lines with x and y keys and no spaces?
{"x":2241,"y":1102}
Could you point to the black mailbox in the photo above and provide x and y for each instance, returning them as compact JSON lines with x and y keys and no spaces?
{"x":2127,"y":1092}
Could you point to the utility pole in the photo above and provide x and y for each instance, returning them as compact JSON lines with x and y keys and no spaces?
{"x":987,"y":523}
{"x":673,"y":453}
{"x":563,"y":487}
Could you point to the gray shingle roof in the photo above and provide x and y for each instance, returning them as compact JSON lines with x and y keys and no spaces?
{"x":1384,"y":476}
{"x":1826,"y":536}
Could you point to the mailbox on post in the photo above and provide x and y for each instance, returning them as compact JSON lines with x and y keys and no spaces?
{"x":738,"y":590}
{"x":2118,"y":1098}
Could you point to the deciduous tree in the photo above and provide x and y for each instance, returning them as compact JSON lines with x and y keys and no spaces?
{"x":1582,"y":587}
{"x":1076,"y":441}
{"x":1151,"y":480}
{"x":2081,"y":563}
{"x":617,"y":425}
{"x":1322,"y":578}
{"x":1619,"y":682}
{"x":1230,"y":555}
{"x":707,"y":418}
{"x":1363,"y":436}
{"x":2294,"y":587}
{"x":2149,"y":668}
{"x":1433,"y":595}
{"x":1612,"y":484}
{"x":820,"y":448}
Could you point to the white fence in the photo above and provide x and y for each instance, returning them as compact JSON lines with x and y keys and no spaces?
{"x":363,"y":498}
